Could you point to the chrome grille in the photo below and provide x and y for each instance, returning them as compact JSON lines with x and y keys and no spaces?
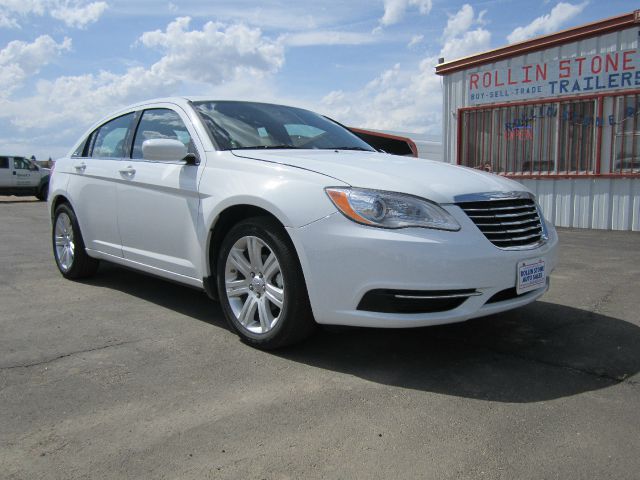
{"x":509,"y":223}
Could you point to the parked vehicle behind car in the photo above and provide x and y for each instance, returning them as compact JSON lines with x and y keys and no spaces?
{"x":290,"y":220}
{"x":22,"y":177}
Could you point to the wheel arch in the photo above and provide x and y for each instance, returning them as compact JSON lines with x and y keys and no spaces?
{"x":223,"y":222}
{"x":57,"y":201}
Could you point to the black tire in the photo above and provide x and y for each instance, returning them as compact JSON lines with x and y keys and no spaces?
{"x":295,"y":319}
{"x":81,"y":265}
{"x":43,"y":193}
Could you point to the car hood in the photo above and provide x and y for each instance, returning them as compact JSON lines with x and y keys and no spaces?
{"x":436,"y":181}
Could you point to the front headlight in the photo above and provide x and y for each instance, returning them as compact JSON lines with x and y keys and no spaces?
{"x":389,"y":209}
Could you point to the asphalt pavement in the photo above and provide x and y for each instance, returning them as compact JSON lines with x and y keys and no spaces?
{"x":129,"y":376}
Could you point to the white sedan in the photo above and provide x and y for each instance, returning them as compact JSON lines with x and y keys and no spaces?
{"x":290,"y":220}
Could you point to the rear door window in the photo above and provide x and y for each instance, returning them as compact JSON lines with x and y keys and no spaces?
{"x":4,"y":162}
{"x":111,"y":138}
{"x":83,"y":148}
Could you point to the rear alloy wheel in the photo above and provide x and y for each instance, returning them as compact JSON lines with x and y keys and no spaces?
{"x":261,"y":285}
{"x":68,"y":246}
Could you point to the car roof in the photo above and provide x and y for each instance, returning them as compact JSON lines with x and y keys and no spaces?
{"x":184,"y":100}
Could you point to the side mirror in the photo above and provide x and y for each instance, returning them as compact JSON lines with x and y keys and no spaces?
{"x":164,"y":150}
{"x":33,"y":168}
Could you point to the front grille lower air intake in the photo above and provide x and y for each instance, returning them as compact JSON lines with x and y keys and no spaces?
{"x":414,"y":301}
{"x":509,"y":223}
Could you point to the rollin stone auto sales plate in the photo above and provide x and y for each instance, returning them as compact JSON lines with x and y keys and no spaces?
{"x":531,"y":275}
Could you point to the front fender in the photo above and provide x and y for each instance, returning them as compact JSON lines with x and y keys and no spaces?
{"x":295,"y":197}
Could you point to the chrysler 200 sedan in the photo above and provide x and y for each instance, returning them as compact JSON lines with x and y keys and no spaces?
{"x":290,"y":220}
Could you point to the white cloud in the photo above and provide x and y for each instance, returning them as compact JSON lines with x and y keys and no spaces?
{"x":460,"y":22}
{"x":79,"y":16}
{"x":24,"y":7}
{"x":73,"y":13}
{"x":78,"y":99}
{"x":7,"y":22}
{"x":19,"y":60}
{"x":459,"y":40}
{"x":215,"y":54}
{"x":395,"y":100}
{"x":410,"y":99}
{"x":327,"y":37}
{"x":394,"y":10}
{"x":218,"y":55}
{"x":548,"y":23}
{"x":272,"y":15}
{"x":469,"y":43}
{"x":415,"y":40}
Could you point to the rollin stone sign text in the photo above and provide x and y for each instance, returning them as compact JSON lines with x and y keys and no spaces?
{"x":572,"y":76}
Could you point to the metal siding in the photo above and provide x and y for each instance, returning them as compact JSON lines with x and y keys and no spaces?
{"x":620,"y":212}
{"x":600,"y":203}
{"x":564,"y":203}
{"x":601,"y":193}
{"x":548,"y":192}
{"x":454,"y":98}
{"x":582,"y":204}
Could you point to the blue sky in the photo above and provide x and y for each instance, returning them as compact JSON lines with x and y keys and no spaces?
{"x":66,"y":63}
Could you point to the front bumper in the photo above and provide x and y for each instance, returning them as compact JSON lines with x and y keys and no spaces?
{"x":342,"y":261}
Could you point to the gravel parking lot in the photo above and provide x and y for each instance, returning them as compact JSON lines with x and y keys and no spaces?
{"x":128,"y":376}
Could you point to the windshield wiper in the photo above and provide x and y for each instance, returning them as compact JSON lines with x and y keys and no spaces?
{"x":361,"y":149}
{"x":265,"y":147}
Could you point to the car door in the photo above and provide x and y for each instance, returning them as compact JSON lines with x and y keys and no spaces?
{"x":93,"y":184}
{"x":158,"y":202}
{"x":24,"y":174}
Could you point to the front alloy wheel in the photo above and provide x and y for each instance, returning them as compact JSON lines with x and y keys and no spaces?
{"x":254,"y":284}
{"x":261,"y":286}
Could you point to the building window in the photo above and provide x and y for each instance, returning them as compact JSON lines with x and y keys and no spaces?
{"x":576,"y":139}
{"x":543,"y":138}
{"x":625,"y":157}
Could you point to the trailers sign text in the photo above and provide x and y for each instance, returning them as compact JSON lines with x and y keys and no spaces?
{"x":571,"y":76}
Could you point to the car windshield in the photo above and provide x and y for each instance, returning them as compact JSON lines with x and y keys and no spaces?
{"x":246,"y":125}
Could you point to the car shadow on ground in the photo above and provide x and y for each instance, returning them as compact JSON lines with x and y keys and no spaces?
{"x":174,"y":296}
{"x":539,"y":352}
{"x":12,"y":200}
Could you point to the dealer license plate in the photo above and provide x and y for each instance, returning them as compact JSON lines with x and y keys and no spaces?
{"x":531,"y":275}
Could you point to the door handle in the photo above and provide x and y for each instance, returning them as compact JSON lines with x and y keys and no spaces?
{"x":80,"y":167}
{"x":128,"y":171}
